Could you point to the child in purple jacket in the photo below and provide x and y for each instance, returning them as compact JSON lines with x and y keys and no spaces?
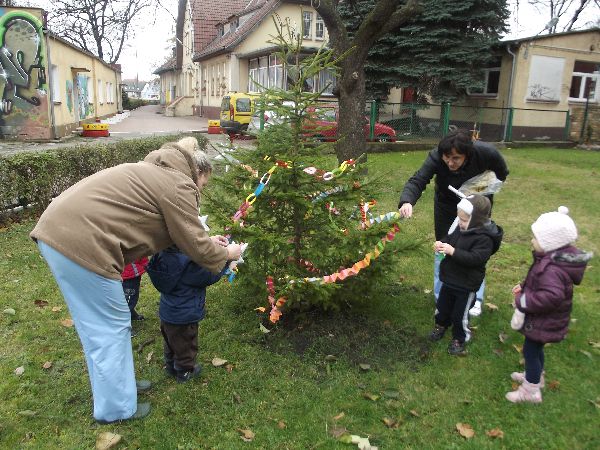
{"x":546,"y":297}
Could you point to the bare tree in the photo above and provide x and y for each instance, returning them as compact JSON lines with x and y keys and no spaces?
{"x":384,"y":17}
{"x":564,"y":14}
{"x":98,"y":26}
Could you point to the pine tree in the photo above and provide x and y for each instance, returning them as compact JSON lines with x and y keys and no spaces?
{"x":439,"y":52}
{"x":307,"y":217}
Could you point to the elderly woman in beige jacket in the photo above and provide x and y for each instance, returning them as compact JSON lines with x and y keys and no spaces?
{"x":107,"y":220}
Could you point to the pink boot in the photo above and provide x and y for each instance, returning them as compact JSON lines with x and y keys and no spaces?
{"x":519,"y":377}
{"x":527,"y":392}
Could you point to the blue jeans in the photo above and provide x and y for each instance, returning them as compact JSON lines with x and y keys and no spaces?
{"x":533,"y":352}
{"x":437,"y":284}
{"x":103,"y":323}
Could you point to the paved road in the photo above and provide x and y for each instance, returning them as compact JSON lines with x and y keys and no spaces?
{"x":141,"y":122}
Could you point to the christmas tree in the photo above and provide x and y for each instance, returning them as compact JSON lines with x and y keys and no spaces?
{"x":313,"y":236}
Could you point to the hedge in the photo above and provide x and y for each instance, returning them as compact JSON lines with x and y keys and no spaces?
{"x":36,"y":177}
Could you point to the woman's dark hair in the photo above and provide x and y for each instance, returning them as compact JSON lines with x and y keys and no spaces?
{"x":460,"y":140}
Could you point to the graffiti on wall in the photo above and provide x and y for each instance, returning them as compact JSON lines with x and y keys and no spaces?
{"x":83,"y":96}
{"x":69,"y":92}
{"x":23,"y":88}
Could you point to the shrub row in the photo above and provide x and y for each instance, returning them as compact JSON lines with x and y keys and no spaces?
{"x":35,"y":178}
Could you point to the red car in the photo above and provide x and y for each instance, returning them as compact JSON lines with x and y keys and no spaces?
{"x":323,"y":126}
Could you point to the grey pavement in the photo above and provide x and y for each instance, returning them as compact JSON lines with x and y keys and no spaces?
{"x":142,"y":122}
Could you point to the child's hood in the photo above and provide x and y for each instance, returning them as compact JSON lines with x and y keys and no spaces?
{"x":572,"y":260}
{"x":166,"y":269}
{"x":491,"y":229}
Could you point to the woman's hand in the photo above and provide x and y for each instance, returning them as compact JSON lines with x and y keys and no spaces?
{"x":406,"y":210}
{"x":234,"y":252}
{"x":220,"y":240}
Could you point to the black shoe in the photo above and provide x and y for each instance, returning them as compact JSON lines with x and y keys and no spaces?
{"x":437,"y":333}
{"x":136,"y":316}
{"x":457,"y":348}
{"x":186,"y":375}
{"x":170,"y":369}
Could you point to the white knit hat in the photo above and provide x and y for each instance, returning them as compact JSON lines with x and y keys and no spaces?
{"x":554,"y":229}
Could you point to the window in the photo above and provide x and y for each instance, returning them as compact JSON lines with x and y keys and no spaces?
{"x":55,"y":83}
{"x":253,"y":76}
{"x":491,"y":80}
{"x":99,"y":89}
{"x":326,"y":82}
{"x":545,"y":78}
{"x":221,"y":30}
{"x":235,"y":23}
{"x":584,"y":81}
{"x":107,"y":89}
{"x":306,"y":25}
{"x":319,"y":28}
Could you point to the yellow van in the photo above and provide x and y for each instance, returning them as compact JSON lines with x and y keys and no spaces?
{"x":236,"y":111}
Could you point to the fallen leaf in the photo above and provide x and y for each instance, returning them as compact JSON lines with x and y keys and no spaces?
{"x":518,"y":348}
{"x":40,"y":303}
{"x":264,"y":329}
{"x":414,"y":413}
{"x":594,"y":344}
{"x":596,"y":402}
{"x":106,"y":440}
{"x":281,"y":425}
{"x":491,"y":306}
{"x":246,"y":434}
{"x":370,"y":396}
{"x":27,"y":413}
{"x":218,"y":362}
{"x":9,"y":311}
{"x":391,"y":394}
{"x":586,"y":353}
{"x":149,"y":357}
{"x":19,"y":371}
{"x":391,"y":423}
{"x":66,"y":323}
{"x":229,"y":368}
{"x":497,"y":352}
{"x":337,"y":432}
{"x":47,"y":365}
{"x":466,"y":401}
{"x":503,"y":337}
{"x":56,"y":308}
{"x":339,"y":416}
{"x":387,"y":323}
{"x":330,"y":358}
{"x":495,"y":433}
{"x":465,"y":430}
{"x":554,"y":385}
{"x":515,"y":385}
{"x":237,"y":398}
{"x":364,"y":367}
{"x":427,"y":291}
{"x":261,"y":309}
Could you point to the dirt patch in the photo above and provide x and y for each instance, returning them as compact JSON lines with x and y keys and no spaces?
{"x":356,"y":339}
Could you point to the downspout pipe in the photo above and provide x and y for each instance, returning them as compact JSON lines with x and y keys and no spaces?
{"x":510,"y":85}
{"x":50,"y":90}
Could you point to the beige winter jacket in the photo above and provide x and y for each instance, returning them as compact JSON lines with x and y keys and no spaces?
{"x":123,"y":213}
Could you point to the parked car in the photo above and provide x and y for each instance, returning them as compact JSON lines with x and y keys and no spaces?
{"x":320,"y":124}
{"x":269,"y":117}
{"x":236,"y":111}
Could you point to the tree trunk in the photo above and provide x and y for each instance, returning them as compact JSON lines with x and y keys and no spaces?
{"x":351,"y":120}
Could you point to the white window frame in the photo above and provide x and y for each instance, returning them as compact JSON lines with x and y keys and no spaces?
{"x":594,"y":78}
{"x":307,"y":20}
{"x":486,"y":84}
{"x":99,"y":89}
{"x":319,"y":28}
{"x":55,"y":83}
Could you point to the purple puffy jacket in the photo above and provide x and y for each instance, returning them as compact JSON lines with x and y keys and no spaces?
{"x":547,"y":293}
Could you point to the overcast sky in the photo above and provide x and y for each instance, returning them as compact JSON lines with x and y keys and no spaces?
{"x":149,"y":47}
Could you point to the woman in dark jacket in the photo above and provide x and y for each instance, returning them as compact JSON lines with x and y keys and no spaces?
{"x":546,"y":297}
{"x":455,"y":160}
{"x":182,"y":285}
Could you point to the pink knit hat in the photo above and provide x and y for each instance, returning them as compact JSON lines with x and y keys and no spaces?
{"x":554,"y":229}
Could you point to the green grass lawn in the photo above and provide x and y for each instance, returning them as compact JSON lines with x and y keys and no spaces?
{"x":285,"y":388}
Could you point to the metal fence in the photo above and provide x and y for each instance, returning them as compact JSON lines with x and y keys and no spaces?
{"x":413,"y":121}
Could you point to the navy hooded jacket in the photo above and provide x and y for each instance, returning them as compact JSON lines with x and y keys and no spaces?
{"x":182,"y":285}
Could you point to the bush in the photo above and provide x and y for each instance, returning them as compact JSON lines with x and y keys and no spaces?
{"x":35,"y":178}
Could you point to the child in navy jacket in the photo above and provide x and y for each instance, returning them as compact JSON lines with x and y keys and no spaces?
{"x":182,"y":285}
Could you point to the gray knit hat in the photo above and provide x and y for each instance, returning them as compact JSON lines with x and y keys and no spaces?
{"x":478,"y":207}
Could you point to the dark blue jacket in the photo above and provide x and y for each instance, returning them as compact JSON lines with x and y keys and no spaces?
{"x":182,"y":285}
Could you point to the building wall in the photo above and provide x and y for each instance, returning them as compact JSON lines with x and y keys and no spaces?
{"x":225,"y":73}
{"x":83,"y":87}
{"x":24,"y":111}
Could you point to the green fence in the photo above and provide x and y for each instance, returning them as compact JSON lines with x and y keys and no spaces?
{"x":413,"y":121}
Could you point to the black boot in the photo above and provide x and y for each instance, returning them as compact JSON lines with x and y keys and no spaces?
{"x":184,"y":375}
